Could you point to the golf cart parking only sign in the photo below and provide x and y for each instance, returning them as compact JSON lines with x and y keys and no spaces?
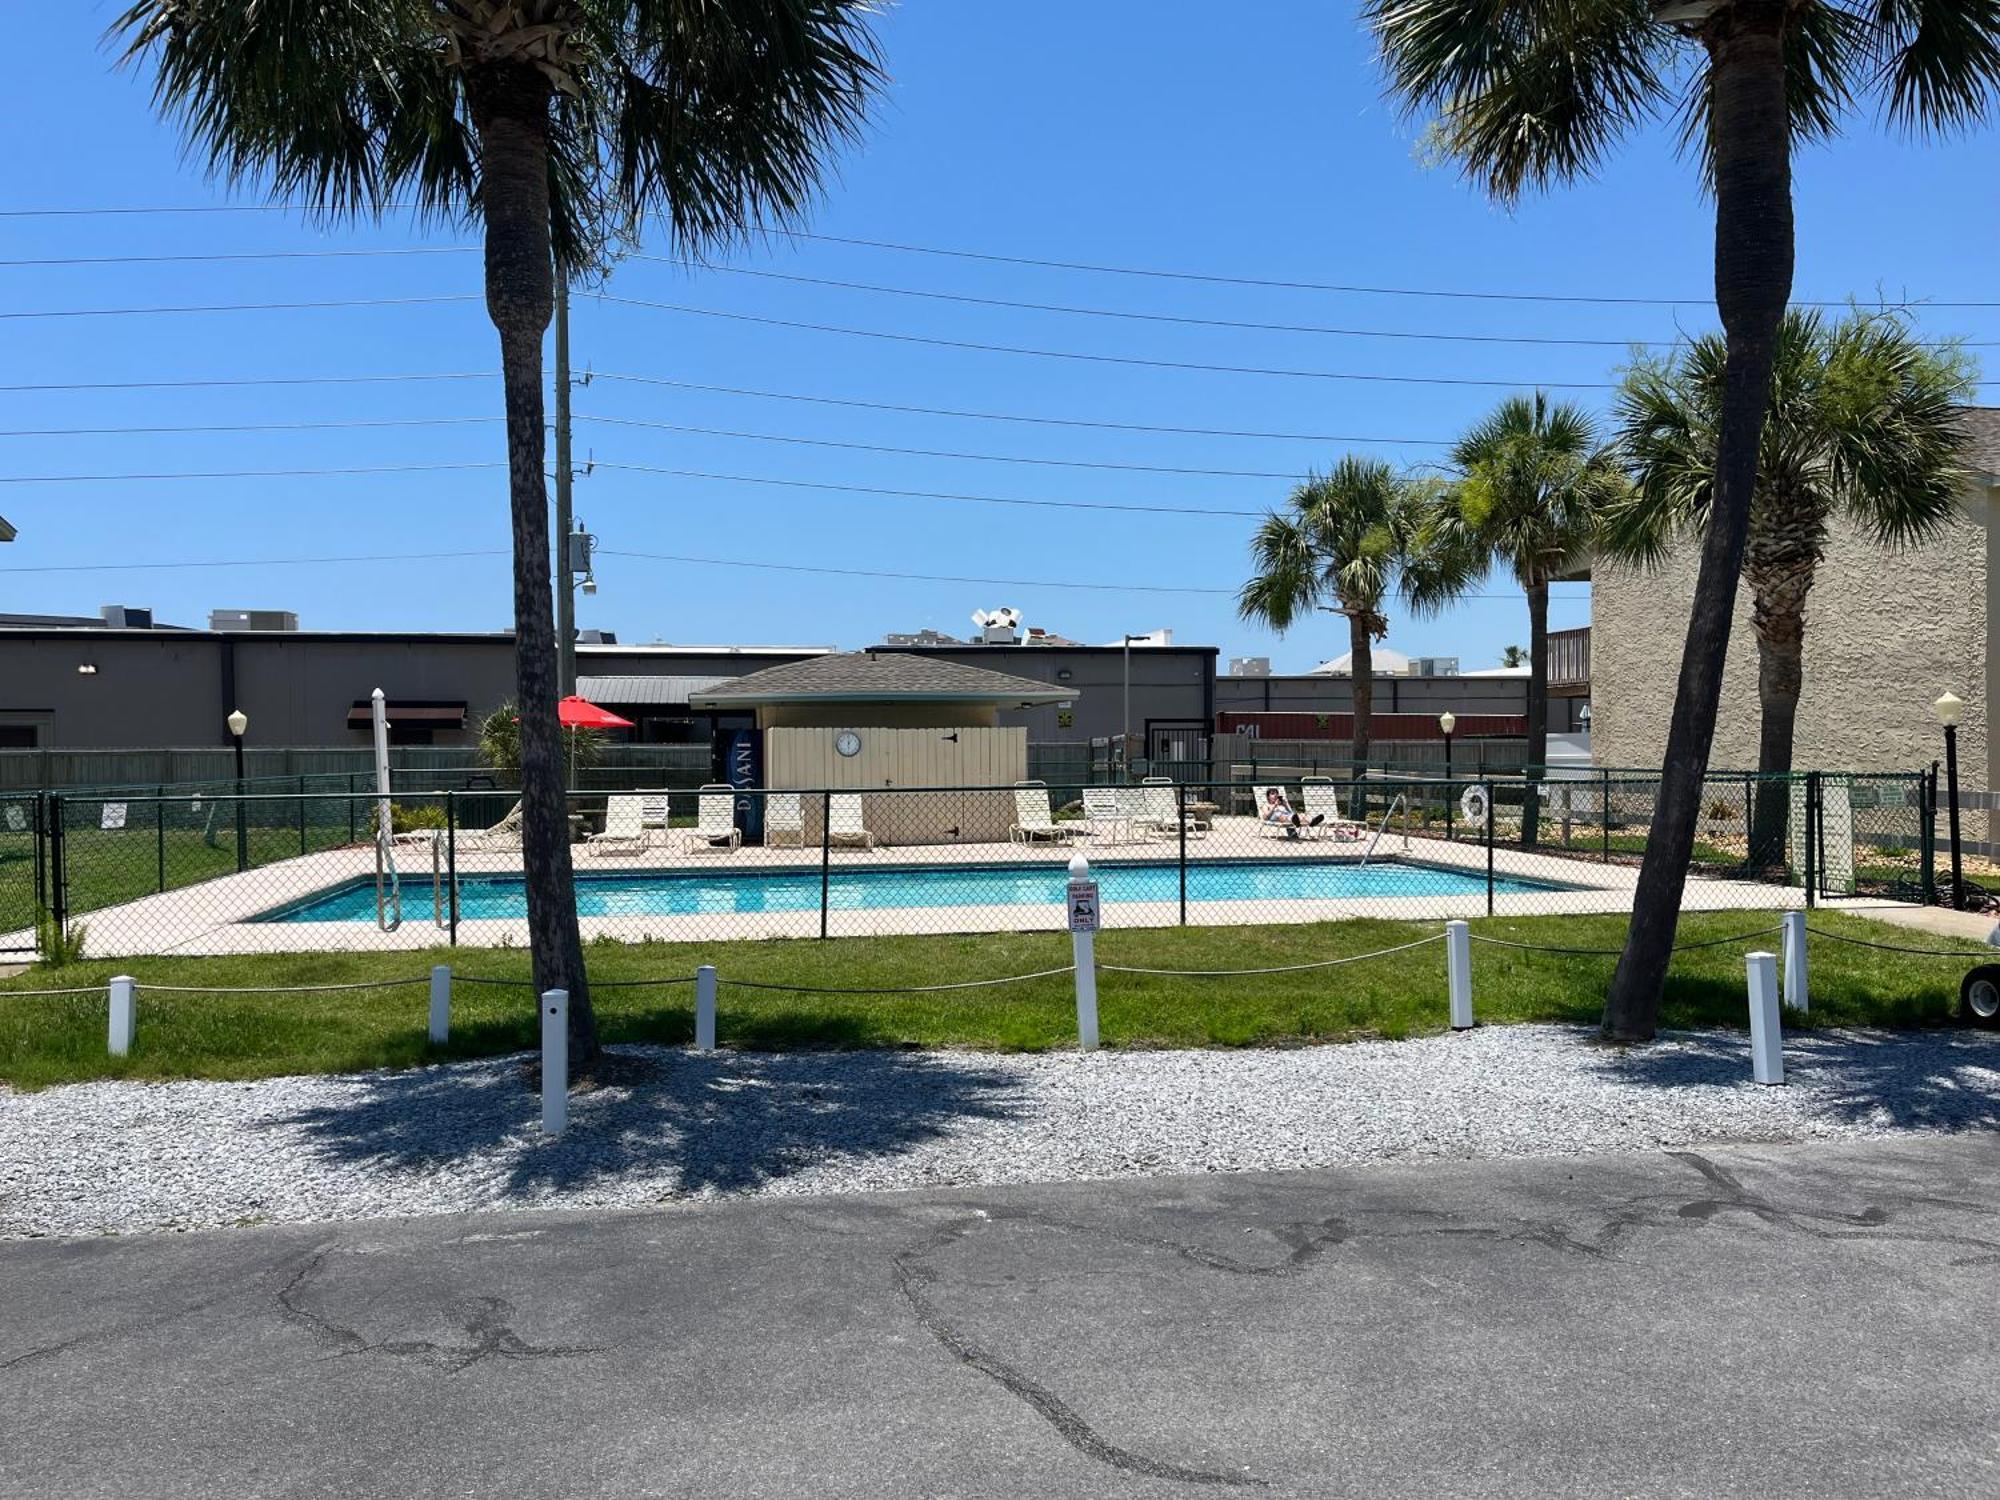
{"x":1083,"y":906}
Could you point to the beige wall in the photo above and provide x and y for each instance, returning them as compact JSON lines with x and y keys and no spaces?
{"x":1887,"y":631}
{"x":803,"y":756}
{"x":887,"y":715}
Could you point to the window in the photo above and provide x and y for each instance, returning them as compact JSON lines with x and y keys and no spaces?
{"x":17,"y":737}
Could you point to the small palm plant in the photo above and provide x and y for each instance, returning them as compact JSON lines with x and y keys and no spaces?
{"x":1534,"y":485}
{"x":1342,"y":544}
{"x":1864,"y":428}
{"x":1530,"y":93}
{"x":554,"y":125}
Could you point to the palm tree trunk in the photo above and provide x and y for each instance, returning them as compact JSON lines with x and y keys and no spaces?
{"x":510,"y":105}
{"x":1780,"y":621}
{"x":1538,"y":709}
{"x":1753,"y":281}
{"x":1361,"y":660}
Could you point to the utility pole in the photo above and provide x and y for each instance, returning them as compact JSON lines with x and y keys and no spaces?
{"x":565,"y":584}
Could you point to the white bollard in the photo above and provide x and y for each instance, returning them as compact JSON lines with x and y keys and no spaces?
{"x":1796,"y":995}
{"x":1458,"y":973}
{"x":440,"y":1004}
{"x":124,"y":1013}
{"x":1767,"y":1058}
{"x":1083,"y":914}
{"x":704,"y":1008}
{"x":555,"y":1062}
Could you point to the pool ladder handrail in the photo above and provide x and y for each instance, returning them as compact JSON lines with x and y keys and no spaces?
{"x":1402,"y":800}
{"x":440,"y":911}
{"x":389,"y":898}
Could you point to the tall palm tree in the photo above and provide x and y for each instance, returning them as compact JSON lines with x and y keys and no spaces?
{"x":1528,"y":93}
{"x":1341,"y":545}
{"x":1534,"y":485}
{"x":1864,"y":425}
{"x":553,"y":125}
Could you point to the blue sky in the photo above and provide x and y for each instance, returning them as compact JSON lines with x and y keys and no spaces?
{"x":1126,"y":134}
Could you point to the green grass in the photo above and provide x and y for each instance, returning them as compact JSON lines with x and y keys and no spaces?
{"x":61,"y":1040}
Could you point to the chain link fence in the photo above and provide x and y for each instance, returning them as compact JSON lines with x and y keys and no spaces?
{"x":193,"y":871}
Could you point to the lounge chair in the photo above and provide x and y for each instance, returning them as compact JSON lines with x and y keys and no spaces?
{"x":1032,"y":818}
{"x":715,"y":819}
{"x":502,"y":837}
{"x":1261,"y":796}
{"x":1109,"y":814}
{"x":1317,"y":798}
{"x":844,"y":825}
{"x":1159,"y":810}
{"x":624,"y":826}
{"x":784,"y":819}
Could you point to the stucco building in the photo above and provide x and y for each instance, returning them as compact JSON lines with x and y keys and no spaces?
{"x":1887,"y":631}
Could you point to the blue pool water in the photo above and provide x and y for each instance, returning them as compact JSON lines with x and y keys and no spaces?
{"x":696,"y":892}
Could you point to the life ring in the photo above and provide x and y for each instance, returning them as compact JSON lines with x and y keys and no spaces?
{"x":1472,"y":805}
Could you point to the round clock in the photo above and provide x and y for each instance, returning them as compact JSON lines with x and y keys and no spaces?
{"x":847,"y":742}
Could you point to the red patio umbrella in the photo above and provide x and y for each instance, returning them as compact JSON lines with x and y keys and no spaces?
{"x":581,"y":713}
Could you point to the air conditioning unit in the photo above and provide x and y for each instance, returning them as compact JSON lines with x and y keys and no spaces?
{"x":1434,"y":666}
{"x":1249,"y":666}
{"x":127,"y":617}
{"x":252,"y":619}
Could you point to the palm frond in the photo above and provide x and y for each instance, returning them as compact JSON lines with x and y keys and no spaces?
{"x":1939,"y":60}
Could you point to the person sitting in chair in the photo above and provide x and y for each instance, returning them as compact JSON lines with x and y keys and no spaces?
{"x":1279,"y":812}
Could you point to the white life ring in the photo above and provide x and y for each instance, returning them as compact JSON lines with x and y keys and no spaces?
{"x":1473,"y":804}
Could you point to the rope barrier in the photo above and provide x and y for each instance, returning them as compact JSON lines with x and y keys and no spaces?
{"x":916,"y":989}
{"x":1617,"y":952}
{"x":1324,"y":963}
{"x":94,"y":989}
{"x":634,"y":984}
{"x":1992,"y":953}
{"x":526,"y":984}
{"x":277,"y":989}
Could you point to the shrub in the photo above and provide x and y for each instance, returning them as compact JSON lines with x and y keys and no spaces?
{"x":411,"y":819}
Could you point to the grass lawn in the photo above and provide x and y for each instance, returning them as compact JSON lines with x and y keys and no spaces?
{"x":61,"y":1039}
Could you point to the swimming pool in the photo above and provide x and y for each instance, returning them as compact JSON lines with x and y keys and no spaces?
{"x":672,"y":893}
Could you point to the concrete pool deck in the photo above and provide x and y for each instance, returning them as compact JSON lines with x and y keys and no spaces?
{"x":219,"y":916}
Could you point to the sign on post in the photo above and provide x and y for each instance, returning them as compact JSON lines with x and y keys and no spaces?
{"x":1083,"y":906}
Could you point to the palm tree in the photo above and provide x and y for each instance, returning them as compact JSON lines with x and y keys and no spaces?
{"x":1864,"y":425}
{"x":1534,"y":485}
{"x":1534,"y":92}
{"x":555,"y":125}
{"x":1513,"y":656}
{"x":1342,"y":546}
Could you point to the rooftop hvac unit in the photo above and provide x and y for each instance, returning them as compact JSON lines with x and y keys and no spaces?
{"x":1249,"y":666}
{"x":998,"y":627}
{"x":1434,"y":666}
{"x":252,"y":619}
{"x":127,"y":617}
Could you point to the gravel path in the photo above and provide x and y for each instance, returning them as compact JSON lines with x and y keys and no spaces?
{"x":130,"y":1156}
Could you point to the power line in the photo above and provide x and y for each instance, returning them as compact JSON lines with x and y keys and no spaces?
{"x":241,"y":473}
{"x":246,"y":427}
{"x":1004,"y":416}
{"x":235,"y":307}
{"x":1101,"y":359}
{"x":899,"y":494}
{"x":260,"y":380}
{"x":1093,"y":267}
{"x":1024,"y":583}
{"x":235,"y":255}
{"x":255,"y":562}
{"x":991,"y":458}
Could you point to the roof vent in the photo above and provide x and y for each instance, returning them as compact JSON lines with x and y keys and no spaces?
{"x":127,"y":617}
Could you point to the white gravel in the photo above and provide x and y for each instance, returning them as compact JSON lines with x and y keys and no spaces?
{"x":130,"y":1157}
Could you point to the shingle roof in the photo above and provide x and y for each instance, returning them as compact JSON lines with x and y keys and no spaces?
{"x":1982,"y":426}
{"x":865,"y":676}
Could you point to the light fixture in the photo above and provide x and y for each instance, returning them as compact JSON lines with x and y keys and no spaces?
{"x":589,"y":584}
{"x":1583,"y":716}
{"x":1446,"y":720}
{"x":238,"y":722}
{"x":86,"y":669}
{"x":1949,"y":708}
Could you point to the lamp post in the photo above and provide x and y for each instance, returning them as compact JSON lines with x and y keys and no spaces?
{"x":1446,"y":722}
{"x":238,"y":722}
{"x":1949,"y":708}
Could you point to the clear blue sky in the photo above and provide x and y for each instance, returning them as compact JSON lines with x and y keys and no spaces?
{"x":1121,"y":133}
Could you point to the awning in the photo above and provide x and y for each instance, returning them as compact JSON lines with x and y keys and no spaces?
{"x":436,"y":715}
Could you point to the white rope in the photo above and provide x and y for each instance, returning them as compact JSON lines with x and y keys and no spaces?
{"x":915,"y":989}
{"x":95,"y":989}
{"x":1325,"y":963}
{"x":278,"y":989}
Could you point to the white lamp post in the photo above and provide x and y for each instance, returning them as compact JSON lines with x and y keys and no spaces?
{"x":1446,"y":722}
{"x":1950,"y":708}
{"x":239,"y":722}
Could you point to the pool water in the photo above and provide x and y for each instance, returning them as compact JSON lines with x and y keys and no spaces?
{"x":699,"y":892}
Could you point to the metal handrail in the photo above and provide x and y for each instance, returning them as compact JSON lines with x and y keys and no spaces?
{"x":1401,"y":800}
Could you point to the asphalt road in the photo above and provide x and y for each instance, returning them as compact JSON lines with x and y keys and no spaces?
{"x":1771,"y":1320}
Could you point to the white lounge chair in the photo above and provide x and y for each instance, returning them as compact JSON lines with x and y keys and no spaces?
{"x":715,"y":819}
{"x":784,"y":819}
{"x":1318,"y":798}
{"x":844,"y":825}
{"x":624,"y":826}
{"x":1109,"y":814}
{"x":1032,"y":817}
{"x":503,"y":836}
{"x":1261,"y":795}
{"x":1159,"y":809}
